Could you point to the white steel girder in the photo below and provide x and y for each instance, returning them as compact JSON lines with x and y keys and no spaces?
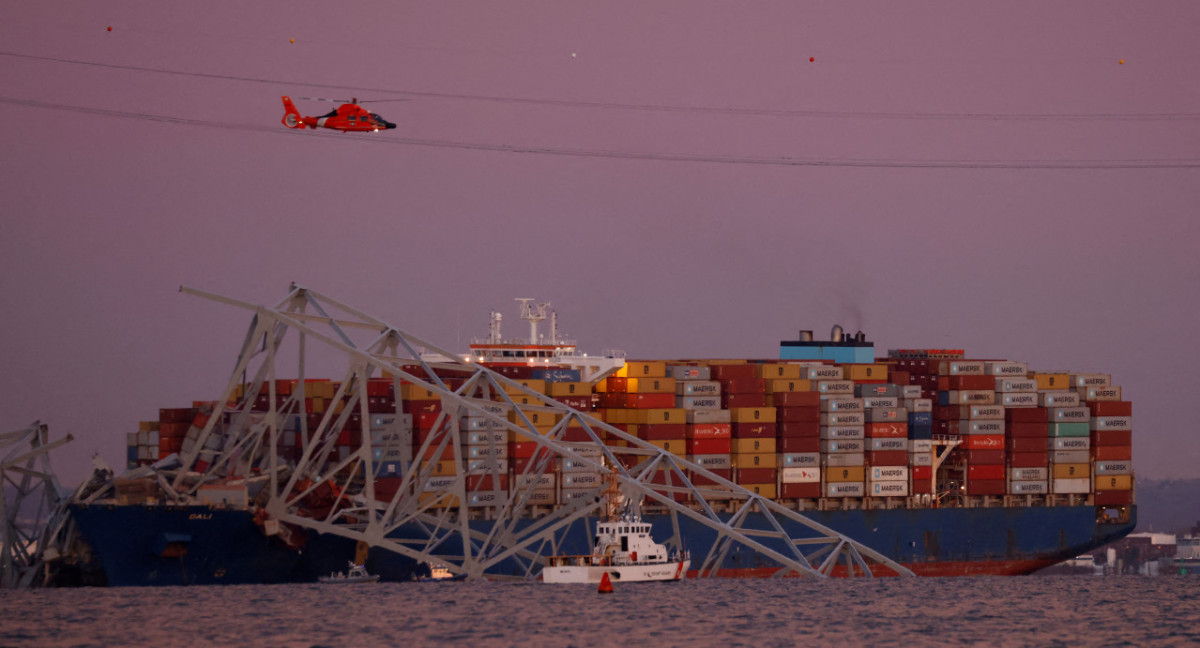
{"x":33,"y":509}
{"x":329,"y":490}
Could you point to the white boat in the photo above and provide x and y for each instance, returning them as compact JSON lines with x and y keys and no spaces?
{"x":356,"y":574}
{"x":441,"y":572}
{"x":624,"y":550}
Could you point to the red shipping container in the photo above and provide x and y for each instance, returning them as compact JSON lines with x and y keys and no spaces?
{"x":733,"y":371}
{"x":808,"y":429}
{"x":425,"y":420}
{"x":985,"y":456}
{"x":799,"y":444}
{"x":986,"y":383}
{"x":797,"y":399}
{"x":1026,"y":415}
{"x":415,"y":407}
{"x":661,"y":477}
{"x":649,"y":401}
{"x":986,"y":487}
{"x":803,"y":414}
{"x":521,"y":449}
{"x":520,"y":464}
{"x":983,"y":441}
{"x":709,"y":446}
{"x":487,"y":482}
{"x":921,"y":473}
{"x":753,"y":430}
{"x":349,"y":438}
{"x":920,"y":487}
{"x":743,"y":386}
{"x":899,"y":377}
{"x":386,"y":487}
{"x":985,"y":471}
{"x":887,"y":430}
{"x":708,"y":431}
{"x":1028,"y":444}
{"x":888,"y":458}
{"x":1112,"y":453}
{"x":701,"y":480}
{"x":613,"y":384}
{"x":730,"y":401}
{"x":578,"y":434}
{"x":800,"y":491}
{"x":1034,"y":429}
{"x":755,"y":475}
{"x":431,"y":453}
{"x":1112,"y":438}
{"x":378,"y":387}
{"x":662,"y":431}
{"x":1028,"y":459}
{"x":1111,"y":408}
{"x":945,"y":412}
{"x":1113,"y":498}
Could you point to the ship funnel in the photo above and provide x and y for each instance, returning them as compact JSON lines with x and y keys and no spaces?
{"x":806,"y":336}
{"x":836,"y":334}
{"x":860,"y":337}
{"x":494,"y":329}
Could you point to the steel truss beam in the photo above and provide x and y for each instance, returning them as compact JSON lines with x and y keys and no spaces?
{"x":235,"y":442}
{"x":35,"y":527}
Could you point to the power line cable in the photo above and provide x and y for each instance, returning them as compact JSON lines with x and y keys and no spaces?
{"x":633,"y":155}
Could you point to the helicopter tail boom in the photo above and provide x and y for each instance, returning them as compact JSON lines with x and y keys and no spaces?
{"x":291,"y":116}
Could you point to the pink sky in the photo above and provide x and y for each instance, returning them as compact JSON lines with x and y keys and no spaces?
{"x":104,"y":217}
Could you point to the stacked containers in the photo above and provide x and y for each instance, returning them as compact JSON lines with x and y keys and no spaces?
{"x":650,"y":411}
{"x":707,"y":430}
{"x":798,"y":435}
{"x":920,"y":439}
{"x":886,"y":436}
{"x":843,"y":435}
{"x":967,"y":408}
{"x":1111,"y":432}
{"x":1026,"y":428}
{"x":1070,"y":468}
{"x":753,"y":427}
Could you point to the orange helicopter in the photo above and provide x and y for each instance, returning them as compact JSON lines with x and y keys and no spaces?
{"x":347,"y":117}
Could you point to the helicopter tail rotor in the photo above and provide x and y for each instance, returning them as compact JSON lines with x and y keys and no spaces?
{"x":291,"y":116}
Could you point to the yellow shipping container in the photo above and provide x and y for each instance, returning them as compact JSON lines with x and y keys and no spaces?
{"x":844,"y":473}
{"x":677,"y":447}
{"x":765,"y":490}
{"x":538,"y":386}
{"x":865,"y":371}
{"x":752,"y":414}
{"x":779,"y":370}
{"x":147,"y":426}
{"x":651,"y":385}
{"x":1071,"y":471}
{"x":1114,"y":482}
{"x":409,"y":391}
{"x":444,"y":500}
{"x":569,"y":389}
{"x":1053,"y":380}
{"x":751,"y":446}
{"x":798,"y":384}
{"x":318,"y":405}
{"x":442,"y":468}
{"x":643,"y":369}
{"x":754,"y":460}
{"x":542,"y":421}
{"x":665,"y":415}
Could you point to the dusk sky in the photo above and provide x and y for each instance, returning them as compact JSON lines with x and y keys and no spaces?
{"x":1017,"y":179}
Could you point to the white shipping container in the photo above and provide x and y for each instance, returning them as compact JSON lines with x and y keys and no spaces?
{"x":844,"y":489}
{"x":871,"y":402}
{"x":1069,"y":456}
{"x":476,"y":466}
{"x":473,"y":423}
{"x":799,"y":475}
{"x":711,"y":462}
{"x":1027,"y":487}
{"x":920,"y":458}
{"x":1058,"y":399}
{"x":1019,"y":399}
{"x":439,"y":483}
{"x":835,"y":387}
{"x":971,"y":397}
{"x":1071,"y":443}
{"x":1112,"y":423}
{"x":685,"y":372}
{"x":542,"y":481}
{"x":918,"y":404}
{"x":541,"y":497}
{"x":843,"y":432}
{"x":572,"y":494}
{"x":577,"y":465}
{"x":842,"y":446}
{"x":1114,"y":468}
{"x":977,"y":426}
{"x":1069,"y":414}
{"x":910,"y":391}
{"x":799,"y":459}
{"x":982,"y":412}
{"x":1091,"y":380}
{"x":964,"y":368}
{"x":698,"y":402}
{"x":698,"y":388}
{"x":143,"y":438}
{"x":1071,"y":486}
{"x":888,"y":473}
{"x":843,"y":418}
{"x":889,"y":488}
{"x":842,"y":404}
{"x":823,"y":372}
{"x":845,"y":460}
{"x":1029,"y":474}
{"x":1006,"y":368}
{"x":887,"y":414}
{"x":708,"y":416}
{"x":921,"y":445}
{"x":1099,"y":393}
{"x":1016,"y":385}
{"x":581,"y":479}
{"x":883,"y":445}
{"x":486,"y":498}
{"x":497,"y":451}
{"x":585,"y":449}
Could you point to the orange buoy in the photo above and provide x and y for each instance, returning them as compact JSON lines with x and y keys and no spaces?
{"x":811,"y":59}
{"x":110,"y":29}
{"x":605,"y":585}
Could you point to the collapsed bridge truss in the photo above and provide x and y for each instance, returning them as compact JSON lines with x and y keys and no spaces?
{"x":427,"y":516}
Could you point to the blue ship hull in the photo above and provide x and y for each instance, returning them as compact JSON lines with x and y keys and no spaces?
{"x":149,"y":545}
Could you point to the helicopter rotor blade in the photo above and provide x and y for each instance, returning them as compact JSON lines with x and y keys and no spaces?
{"x":360,"y":101}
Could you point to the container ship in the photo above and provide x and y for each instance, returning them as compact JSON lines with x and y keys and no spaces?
{"x":936,"y":463}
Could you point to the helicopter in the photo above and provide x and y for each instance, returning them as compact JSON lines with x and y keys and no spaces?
{"x":347,"y":117}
